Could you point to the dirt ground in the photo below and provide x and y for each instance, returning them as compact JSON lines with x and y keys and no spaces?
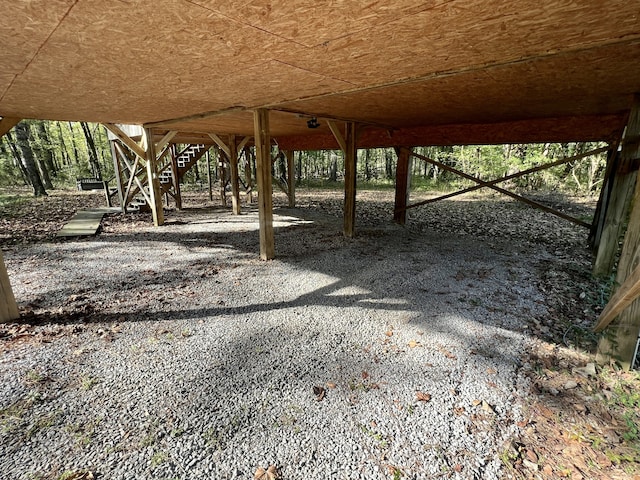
{"x":579,"y":424}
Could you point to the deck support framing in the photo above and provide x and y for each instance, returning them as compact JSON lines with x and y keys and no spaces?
{"x":265,"y":188}
{"x":619,"y":339}
{"x":403,"y":185}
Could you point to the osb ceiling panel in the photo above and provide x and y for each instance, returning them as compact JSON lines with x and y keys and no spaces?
{"x":582,"y":83}
{"x":393,"y":62}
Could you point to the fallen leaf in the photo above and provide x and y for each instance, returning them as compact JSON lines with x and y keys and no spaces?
{"x":365,"y":375}
{"x":491,"y":371}
{"x":457,"y":468}
{"x":388,"y":333}
{"x":475,"y":403}
{"x":458,"y":410}
{"x":487,"y":408}
{"x":531,"y":455}
{"x":331,"y":385}
{"x":81,"y":475}
{"x":319,"y":392}
{"x":270,"y":473}
{"x":414,"y":344}
{"x":423,"y":397}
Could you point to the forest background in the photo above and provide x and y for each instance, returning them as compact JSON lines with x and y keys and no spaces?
{"x":49,"y":154}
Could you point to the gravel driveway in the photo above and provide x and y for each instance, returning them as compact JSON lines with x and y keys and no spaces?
{"x":176,"y":353}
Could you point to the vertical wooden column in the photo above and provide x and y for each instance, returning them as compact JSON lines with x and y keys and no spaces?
{"x":153,"y":180}
{"x":263,"y":167}
{"x":603,"y":200}
{"x":350,"y":159}
{"x":235,"y":183}
{"x":620,"y":338}
{"x":291,"y":177}
{"x":175,"y":177}
{"x":8,"y":306}
{"x":403,"y":184}
{"x":621,"y":193}
{"x":117,"y":169}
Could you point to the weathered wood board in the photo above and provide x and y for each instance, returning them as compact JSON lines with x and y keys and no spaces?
{"x":85,"y":222}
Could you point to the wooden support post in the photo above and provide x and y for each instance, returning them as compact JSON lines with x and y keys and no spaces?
{"x":622,"y":188}
{"x":620,"y":338}
{"x":117,"y":169}
{"x":350,"y":159}
{"x":222,"y":175}
{"x":235,"y":182}
{"x":603,"y":200}
{"x":265,"y":194}
{"x":8,"y":306}
{"x":403,"y":184}
{"x":175,"y":177}
{"x":291,"y":177}
{"x":209,"y":177}
{"x":155,"y":194}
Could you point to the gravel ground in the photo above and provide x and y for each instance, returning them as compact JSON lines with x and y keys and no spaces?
{"x":176,"y":353}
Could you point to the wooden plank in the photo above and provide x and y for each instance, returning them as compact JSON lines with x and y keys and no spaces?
{"x":128,"y":141}
{"x":403,"y":184}
{"x":84,"y":223}
{"x":621,"y":193}
{"x":604,"y":198}
{"x":117,"y":168}
{"x":350,"y":159}
{"x":619,"y":341}
{"x":291,"y":177}
{"x":510,"y":177}
{"x":628,"y":292}
{"x":155,"y":195}
{"x":337,"y":134}
{"x":503,"y":191}
{"x":8,"y":307}
{"x":7,"y":123}
{"x":233,"y":168}
{"x":223,"y":146}
{"x":263,"y":168}
{"x":166,"y":139}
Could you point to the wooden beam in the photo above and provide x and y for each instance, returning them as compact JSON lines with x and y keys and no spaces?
{"x":337,"y":134}
{"x":166,"y":139}
{"x":350,"y":163}
{"x":155,"y":195}
{"x":233,"y":167}
{"x":242,"y":144}
{"x":291,"y":177}
{"x":510,"y":177}
{"x":223,"y":146}
{"x":403,"y":184}
{"x":503,"y":191}
{"x":619,"y":341}
{"x":128,"y":141}
{"x":117,"y":169}
{"x":265,"y":194}
{"x":197,"y":116}
{"x":8,"y":306}
{"x":175,"y":177}
{"x":7,"y":123}
{"x":628,"y":292}
{"x":622,"y":188}
{"x":604,"y":198}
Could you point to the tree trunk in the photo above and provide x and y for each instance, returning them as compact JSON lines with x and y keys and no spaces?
{"x":94,"y":164}
{"x":74,"y":145}
{"x":333,"y":171}
{"x":17,"y":161}
{"x":299,"y":171}
{"x":47,"y":148}
{"x":22,"y":136}
{"x":63,"y":146}
{"x":367,"y":167}
{"x":41,"y":149}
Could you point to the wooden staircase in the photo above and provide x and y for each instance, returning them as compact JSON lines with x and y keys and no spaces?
{"x":137,"y":198}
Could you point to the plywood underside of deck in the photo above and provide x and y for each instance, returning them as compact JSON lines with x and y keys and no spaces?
{"x":403,"y":67}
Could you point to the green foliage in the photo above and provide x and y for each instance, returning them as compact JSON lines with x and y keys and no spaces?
{"x":58,"y":147}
